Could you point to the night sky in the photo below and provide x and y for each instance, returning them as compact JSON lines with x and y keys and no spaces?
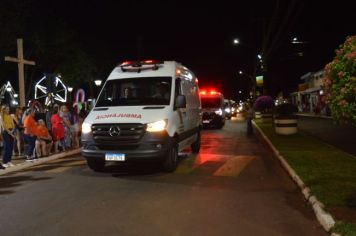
{"x":200,"y":35}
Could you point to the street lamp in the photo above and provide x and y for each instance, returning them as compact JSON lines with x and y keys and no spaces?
{"x":251,"y":80}
{"x":257,"y":63}
{"x":295,"y":40}
{"x":97,"y":82}
{"x":236,"y":41}
{"x":70,"y":89}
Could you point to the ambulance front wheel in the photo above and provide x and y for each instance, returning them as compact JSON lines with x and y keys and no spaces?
{"x":171,"y":161}
{"x":196,"y":145}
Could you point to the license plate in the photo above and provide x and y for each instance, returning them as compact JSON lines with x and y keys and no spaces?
{"x":206,"y":121}
{"x":114,"y":157}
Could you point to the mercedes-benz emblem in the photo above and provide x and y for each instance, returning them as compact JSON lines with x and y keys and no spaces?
{"x":114,"y":131}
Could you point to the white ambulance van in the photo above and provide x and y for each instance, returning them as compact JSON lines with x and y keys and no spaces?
{"x":146,"y":111}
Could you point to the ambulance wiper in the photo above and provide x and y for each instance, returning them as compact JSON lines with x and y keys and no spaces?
{"x":101,"y":108}
{"x":160,"y":107}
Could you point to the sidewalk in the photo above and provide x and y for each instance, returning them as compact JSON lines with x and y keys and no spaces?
{"x":341,"y":136}
{"x":308,"y":114}
{"x":325,"y":175}
{"x":20,"y":163}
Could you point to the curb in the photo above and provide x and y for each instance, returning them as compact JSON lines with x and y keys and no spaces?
{"x":324,"y":218}
{"x":35,"y":162}
{"x":314,"y":116}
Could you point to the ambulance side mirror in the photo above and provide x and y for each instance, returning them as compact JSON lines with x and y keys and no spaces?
{"x":180,"y":101}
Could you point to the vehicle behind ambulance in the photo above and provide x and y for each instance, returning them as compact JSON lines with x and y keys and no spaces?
{"x":146,"y":111}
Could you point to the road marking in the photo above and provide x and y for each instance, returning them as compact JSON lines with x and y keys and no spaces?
{"x":214,"y":164}
{"x":234,"y":166}
{"x":205,"y":157}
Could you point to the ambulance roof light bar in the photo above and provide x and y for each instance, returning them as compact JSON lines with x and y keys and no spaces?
{"x":138,"y":65}
{"x":141,"y":63}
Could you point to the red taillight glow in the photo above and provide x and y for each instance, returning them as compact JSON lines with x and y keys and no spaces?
{"x":148,"y":61}
{"x":178,"y":71}
{"x":209,"y":92}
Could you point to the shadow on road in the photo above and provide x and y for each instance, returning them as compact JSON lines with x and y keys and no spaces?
{"x":16,"y":181}
{"x":135,"y":169}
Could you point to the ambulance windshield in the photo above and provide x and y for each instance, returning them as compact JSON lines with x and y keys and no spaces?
{"x":141,"y":91}
{"x":210,"y":102}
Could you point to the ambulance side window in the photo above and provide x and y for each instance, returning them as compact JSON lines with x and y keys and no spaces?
{"x":177,"y":90}
{"x":178,"y":87}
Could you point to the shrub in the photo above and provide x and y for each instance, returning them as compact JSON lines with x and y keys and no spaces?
{"x":264,"y":104}
{"x":340,"y":83}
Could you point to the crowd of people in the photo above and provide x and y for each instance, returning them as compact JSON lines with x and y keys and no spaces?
{"x":30,"y":134}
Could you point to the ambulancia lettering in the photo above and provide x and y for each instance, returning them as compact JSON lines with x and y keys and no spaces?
{"x":119,"y":115}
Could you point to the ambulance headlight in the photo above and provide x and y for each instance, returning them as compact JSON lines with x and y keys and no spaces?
{"x":218,"y":112}
{"x":228,"y":110}
{"x":86,"y":128}
{"x":156,"y":126}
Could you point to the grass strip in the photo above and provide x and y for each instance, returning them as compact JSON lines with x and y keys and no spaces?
{"x":329,"y":172}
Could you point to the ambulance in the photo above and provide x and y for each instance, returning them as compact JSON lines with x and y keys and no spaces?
{"x":147,"y":111}
{"x":214,"y":113}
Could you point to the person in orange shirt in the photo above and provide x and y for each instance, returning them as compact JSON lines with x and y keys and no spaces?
{"x":44,"y":139}
{"x":30,"y":134}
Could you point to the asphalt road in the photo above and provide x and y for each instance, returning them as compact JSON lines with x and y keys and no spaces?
{"x":342,"y":136}
{"x":234,"y":187}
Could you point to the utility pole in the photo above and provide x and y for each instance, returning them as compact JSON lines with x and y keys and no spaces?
{"x":21,"y":62}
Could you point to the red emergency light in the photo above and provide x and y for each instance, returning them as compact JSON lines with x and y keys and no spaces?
{"x":211,"y":92}
{"x":138,"y":66}
{"x":140,"y":63}
{"x":125,"y":63}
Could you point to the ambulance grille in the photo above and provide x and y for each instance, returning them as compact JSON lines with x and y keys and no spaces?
{"x":118,"y":134}
{"x":209,"y":115}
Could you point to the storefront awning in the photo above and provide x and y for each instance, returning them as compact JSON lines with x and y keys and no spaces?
{"x":311,"y":90}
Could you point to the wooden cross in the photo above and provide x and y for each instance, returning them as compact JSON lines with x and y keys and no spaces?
{"x":21,"y":62}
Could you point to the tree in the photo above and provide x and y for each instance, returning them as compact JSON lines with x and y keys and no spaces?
{"x":48,"y":40}
{"x":340,"y":83}
{"x":13,"y":15}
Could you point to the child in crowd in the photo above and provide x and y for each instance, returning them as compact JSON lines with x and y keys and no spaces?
{"x":44,"y":140}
